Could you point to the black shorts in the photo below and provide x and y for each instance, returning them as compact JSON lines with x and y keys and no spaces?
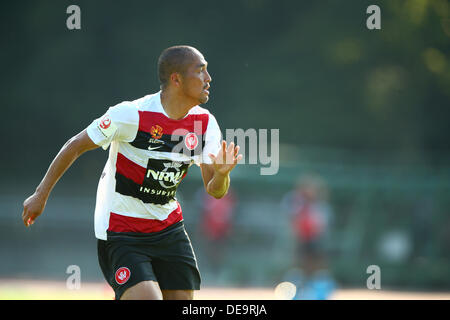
{"x":165,"y":256}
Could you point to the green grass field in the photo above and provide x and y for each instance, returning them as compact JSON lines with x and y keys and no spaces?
{"x":55,"y":290}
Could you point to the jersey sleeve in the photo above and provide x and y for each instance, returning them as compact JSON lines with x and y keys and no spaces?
{"x":212,"y":140}
{"x":119,"y":123}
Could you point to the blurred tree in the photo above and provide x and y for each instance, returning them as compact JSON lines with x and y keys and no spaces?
{"x":311,"y":69}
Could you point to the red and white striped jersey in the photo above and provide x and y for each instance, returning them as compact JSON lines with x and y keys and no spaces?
{"x":149,"y":155}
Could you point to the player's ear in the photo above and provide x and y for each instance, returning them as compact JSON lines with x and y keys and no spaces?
{"x":176,"y":79}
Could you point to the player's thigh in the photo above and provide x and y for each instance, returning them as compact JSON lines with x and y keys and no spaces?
{"x":144,"y":290}
{"x":178,"y":294}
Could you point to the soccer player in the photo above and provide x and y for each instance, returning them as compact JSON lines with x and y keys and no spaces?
{"x":143,"y":249}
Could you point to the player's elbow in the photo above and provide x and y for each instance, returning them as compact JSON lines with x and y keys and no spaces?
{"x":80,"y":143}
{"x":73,"y":146}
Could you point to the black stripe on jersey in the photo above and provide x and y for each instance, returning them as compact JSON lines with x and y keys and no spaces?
{"x":167,"y":143}
{"x":146,"y":194}
{"x":160,"y":182}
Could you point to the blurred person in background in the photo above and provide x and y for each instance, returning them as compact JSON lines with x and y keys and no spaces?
{"x":216,"y":227}
{"x":310,"y":216}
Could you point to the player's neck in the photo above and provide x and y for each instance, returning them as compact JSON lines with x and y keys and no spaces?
{"x":174,"y":105}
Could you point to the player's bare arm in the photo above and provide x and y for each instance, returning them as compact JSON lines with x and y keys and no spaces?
{"x":34,"y":205}
{"x":216,"y":176}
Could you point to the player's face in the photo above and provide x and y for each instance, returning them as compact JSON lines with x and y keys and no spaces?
{"x":196,"y":80}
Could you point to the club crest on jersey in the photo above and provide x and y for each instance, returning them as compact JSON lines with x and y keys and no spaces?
{"x":156,"y":132}
{"x":191,"y":141}
{"x":122,"y":275}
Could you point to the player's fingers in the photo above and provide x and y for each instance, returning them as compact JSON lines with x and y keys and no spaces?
{"x":24,"y":218}
{"x":238,"y":158}
{"x":224,"y":152}
{"x":236,"y":150}
{"x":224,"y":146}
{"x":230,"y":147}
{"x":25,"y":213}
{"x":217,"y":158}
{"x":230,"y":154}
{"x":27,"y":220}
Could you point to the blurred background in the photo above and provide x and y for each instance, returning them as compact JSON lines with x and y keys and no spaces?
{"x":364,"y":175}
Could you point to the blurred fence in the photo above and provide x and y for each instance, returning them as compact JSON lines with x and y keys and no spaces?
{"x":393,"y":216}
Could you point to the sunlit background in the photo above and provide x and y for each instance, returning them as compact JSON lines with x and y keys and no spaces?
{"x":362,"y":114}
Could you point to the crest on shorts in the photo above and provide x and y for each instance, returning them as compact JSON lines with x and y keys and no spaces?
{"x":156,"y":132}
{"x":122,"y":275}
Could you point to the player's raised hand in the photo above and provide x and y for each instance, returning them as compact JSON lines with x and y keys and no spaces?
{"x":33,"y":206}
{"x":226,"y":159}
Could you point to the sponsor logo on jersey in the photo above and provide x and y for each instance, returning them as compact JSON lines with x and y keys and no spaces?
{"x":122,"y":275}
{"x":151,"y":140}
{"x":106,"y":126}
{"x":105,"y":122}
{"x":154,"y":148}
{"x":191,"y":140}
{"x":157,"y":192}
{"x":167,"y":179}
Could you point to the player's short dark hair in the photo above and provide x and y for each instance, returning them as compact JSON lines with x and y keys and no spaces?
{"x":174,"y":59}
